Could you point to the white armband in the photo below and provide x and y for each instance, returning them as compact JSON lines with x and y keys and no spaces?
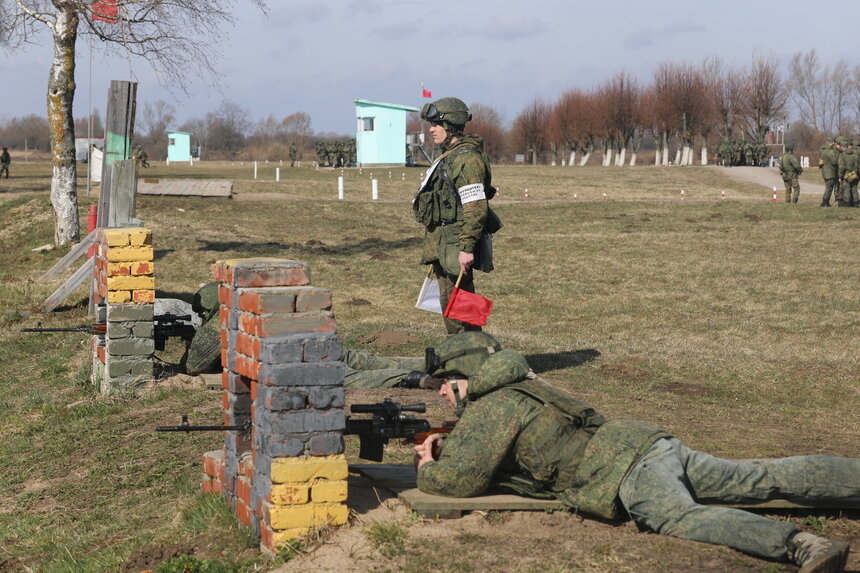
{"x":472,"y":192}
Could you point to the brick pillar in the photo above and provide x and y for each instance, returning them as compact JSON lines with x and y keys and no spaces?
{"x":281,"y":371}
{"x":125,"y":287}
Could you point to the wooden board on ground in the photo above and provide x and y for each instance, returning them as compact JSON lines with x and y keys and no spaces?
{"x":83,"y":273}
{"x":401,"y":480}
{"x":185,"y":187}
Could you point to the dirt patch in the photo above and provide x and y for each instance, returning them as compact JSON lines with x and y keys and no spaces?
{"x":388,"y":339}
{"x":627,"y":371}
{"x":148,"y":557}
{"x":753,"y":218}
{"x":380,"y":256}
{"x":358,"y":302}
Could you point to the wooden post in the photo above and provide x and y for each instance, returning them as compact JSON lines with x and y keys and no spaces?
{"x":123,"y":192}
{"x":119,"y":131}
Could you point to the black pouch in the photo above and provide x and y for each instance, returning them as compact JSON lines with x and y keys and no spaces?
{"x":493,"y":223}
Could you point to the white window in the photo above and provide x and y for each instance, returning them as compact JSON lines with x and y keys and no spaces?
{"x":366,"y":124}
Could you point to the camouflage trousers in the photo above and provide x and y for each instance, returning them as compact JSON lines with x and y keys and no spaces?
{"x":792,"y":189}
{"x":831,"y":186}
{"x":4,"y":168}
{"x":850,"y":193}
{"x":664,"y":489}
{"x":365,"y":370}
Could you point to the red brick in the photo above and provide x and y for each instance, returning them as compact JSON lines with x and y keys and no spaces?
{"x":248,"y":345}
{"x":275,"y":324}
{"x":213,"y":464}
{"x":268,"y":300}
{"x":141,"y":268}
{"x":100,"y":352}
{"x":223,"y":316}
{"x":247,"y":366}
{"x":225,"y":339}
{"x":313,"y":299}
{"x":243,"y":490}
{"x":270,"y":274}
{"x":246,"y":466}
{"x":210,"y":485}
{"x":243,"y":513}
{"x":253,"y":394}
{"x":225,"y":295}
{"x":224,"y":357}
{"x":249,"y":323}
{"x":143,"y":296}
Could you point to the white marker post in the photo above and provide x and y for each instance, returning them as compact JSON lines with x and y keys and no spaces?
{"x":340,"y":187}
{"x":277,"y":173}
{"x":374,"y":189}
{"x":255,"y":170}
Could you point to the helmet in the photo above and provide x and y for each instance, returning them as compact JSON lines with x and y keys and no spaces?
{"x":789,"y":146}
{"x":448,"y":111}
{"x":463,"y":353}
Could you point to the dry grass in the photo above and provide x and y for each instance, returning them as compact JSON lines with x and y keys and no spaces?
{"x":731,"y":323}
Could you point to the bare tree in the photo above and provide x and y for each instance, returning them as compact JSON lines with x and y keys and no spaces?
{"x":226,"y":129}
{"x":28,"y":132}
{"x":530,"y":130}
{"x":171,"y":36}
{"x":621,"y":96}
{"x":663,"y":111}
{"x":298,"y":130}
{"x":155,"y":119}
{"x":487,"y":123}
{"x":572,"y":124}
{"x":764,"y":97}
{"x":822,"y":94}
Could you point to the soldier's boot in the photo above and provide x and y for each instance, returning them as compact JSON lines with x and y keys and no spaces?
{"x":815,"y":554}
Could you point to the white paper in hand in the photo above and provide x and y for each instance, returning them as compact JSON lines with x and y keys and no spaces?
{"x":428,"y":298}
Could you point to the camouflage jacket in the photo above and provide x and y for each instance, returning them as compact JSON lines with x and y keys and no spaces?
{"x":454,"y":218}
{"x":790,"y":166}
{"x":830,"y":167}
{"x":849,"y":160}
{"x":5,"y":158}
{"x":508,"y":435}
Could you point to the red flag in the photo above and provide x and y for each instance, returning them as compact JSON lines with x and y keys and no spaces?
{"x":468,"y":307}
{"x":426,"y":93}
{"x":106,"y":11}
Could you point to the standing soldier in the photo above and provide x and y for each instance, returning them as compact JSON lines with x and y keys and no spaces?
{"x":5,"y":160}
{"x":790,"y":170}
{"x":848,"y":163}
{"x":828,"y":162}
{"x":292,"y":154}
{"x":452,"y":201}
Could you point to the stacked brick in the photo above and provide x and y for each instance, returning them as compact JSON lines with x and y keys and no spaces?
{"x":282,"y":374}
{"x":125,"y":291}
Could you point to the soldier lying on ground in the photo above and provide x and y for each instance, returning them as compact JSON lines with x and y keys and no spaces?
{"x":363,"y":370}
{"x":516,"y":432}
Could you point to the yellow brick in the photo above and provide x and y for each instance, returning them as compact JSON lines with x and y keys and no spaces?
{"x":330,"y":513}
{"x":290,"y":493}
{"x":291,"y":516}
{"x":130,"y":254}
{"x":286,"y":535}
{"x":115,"y":237}
{"x":130,"y":283}
{"x":117,"y":296}
{"x":299,"y":470}
{"x":138,"y":237}
{"x":118,"y":269}
{"x":328,"y":490}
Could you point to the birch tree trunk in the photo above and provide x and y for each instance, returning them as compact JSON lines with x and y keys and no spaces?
{"x":585,"y":157}
{"x":622,"y":157}
{"x":633,"y":159}
{"x":61,"y":95}
{"x":685,"y":155}
{"x":704,"y":155}
{"x":665,"y":137}
{"x":678,"y":155}
{"x":572,"y":158}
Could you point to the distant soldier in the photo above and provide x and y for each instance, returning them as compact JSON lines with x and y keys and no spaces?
{"x":293,"y":154}
{"x":828,"y":162}
{"x":790,"y":170}
{"x":140,"y":156}
{"x":849,"y":167}
{"x":5,"y":160}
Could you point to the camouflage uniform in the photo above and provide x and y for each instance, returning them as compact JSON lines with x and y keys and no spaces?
{"x":5,"y":160}
{"x":790,"y":170}
{"x":454,"y":219}
{"x":849,"y":161}
{"x":829,"y":165}
{"x":518,"y":433}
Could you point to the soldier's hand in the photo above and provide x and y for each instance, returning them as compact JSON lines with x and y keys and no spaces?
{"x":466,"y":260}
{"x":428,"y":451}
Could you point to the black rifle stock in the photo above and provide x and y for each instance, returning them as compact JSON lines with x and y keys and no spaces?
{"x":388,"y":421}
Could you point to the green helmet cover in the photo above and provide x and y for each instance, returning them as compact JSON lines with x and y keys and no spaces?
{"x":789,"y":146}
{"x":461,"y":353}
{"x":449,"y":111}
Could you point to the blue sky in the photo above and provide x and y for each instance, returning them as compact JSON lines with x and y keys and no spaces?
{"x":317,"y":56}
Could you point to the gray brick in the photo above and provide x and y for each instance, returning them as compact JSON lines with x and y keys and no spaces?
{"x":278,"y":398}
{"x":323,"y":349}
{"x":238,"y":384}
{"x":144,"y":329}
{"x":325,"y":397}
{"x":233,"y":419}
{"x":116,"y":330}
{"x":325,"y":444}
{"x":101,"y":314}
{"x":278,"y":446}
{"x":262,"y":462}
{"x":297,"y":421}
{"x":282,"y":349}
{"x":239,"y":442}
{"x":141,"y":368}
{"x":303,"y":374}
{"x":131,"y":347}
{"x":240,"y":404}
{"x":123,"y":312}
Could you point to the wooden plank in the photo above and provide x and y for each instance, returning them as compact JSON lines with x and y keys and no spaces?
{"x":184,"y":188}
{"x":119,"y":131}
{"x":83,"y":273}
{"x":122,"y":192}
{"x":401,"y":480}
{"x":70,"y":257}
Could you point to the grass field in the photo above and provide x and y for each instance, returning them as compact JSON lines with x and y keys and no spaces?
{"x":732,"y":323}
